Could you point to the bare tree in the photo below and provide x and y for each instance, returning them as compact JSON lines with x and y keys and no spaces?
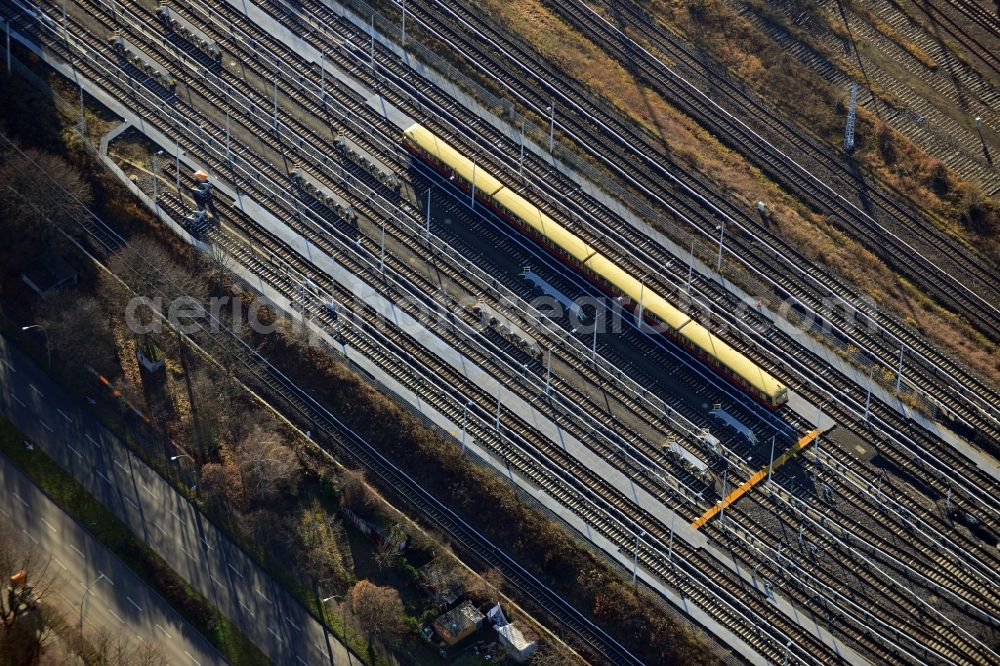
{"x":30,"y":199}
{"x":322,"y":541}
{"x":379,"y":611}
{"x":550,"y":655}
{"x":109,"y":648}
{"x":215,"y":484}
{"x":211,"y":398}
{"x":24,"y":621}
{"x":386,"y":554}
{"x":355,"y":493}
{"x":78,"y":328}
{"x":149,"y":268}
{"x":266,"y":465}
{"x":485,"y":586}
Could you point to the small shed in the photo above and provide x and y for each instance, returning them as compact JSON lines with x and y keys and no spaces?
{"x":458,"y":623}
{"x":48,"y":273}
{"x":439,"y":580}
{"x":520,"y":645}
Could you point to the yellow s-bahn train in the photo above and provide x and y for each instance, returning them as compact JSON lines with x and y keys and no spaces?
{"x":597,"y":268}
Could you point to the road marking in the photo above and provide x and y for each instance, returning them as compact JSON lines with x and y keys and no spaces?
{"x":105,"y":577}
{"x":207,"y":545}
{"x":78,"y":551}
{"x":120,"y":618}
{"x":144,"y":641}
{"x":101,"y":474}
{"x":4,"y":512}
{"x":46,"y":425}
{"x":261,"y":595}
{"x":192,"y":658}
{"x":234,"y":569}
{"x":59,"y":562}
{"x":165,"y":632}
{"x":30,"y":536}
{"x":124,"y":468}
{"x":249,"y":610}
{"x":301,"y":659}
{"x":134,"y":505}
{"x":216,"y":580}
{"x":17,"y":400}
{"x":188,"y":552}
{"x":137,"y":606}
{"x":35,"y":388}
{"x":177,"y":515}
{"x":92,"y":440}
{"x":9,"y":366}
{"x":157,"y":526}
{"x":78,"y":454}
{"x":319,"y":647}
{"x":49,"y":525}
{"x":151,"y":493}
{"x":64,"y":415}
{"x":289,"y":621}
{"x":280,"y":640}
{"x":19,"y":498}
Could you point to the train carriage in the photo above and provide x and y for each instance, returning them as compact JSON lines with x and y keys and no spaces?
{"x":597,"y":268}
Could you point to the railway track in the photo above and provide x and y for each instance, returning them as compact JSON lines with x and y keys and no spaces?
{"x":617,"y":433}
{"x":979,"y":15}
{"x":614,"y":35}
{"x":484,"y":432}
{"x":351,"y":447}
{"x":408,"y":353}
{"x":942,"y":19}
{"x":745,"y":109}
{"x":897,"y":422}
{"x":935,"y":131}
{"x":877,"y":238}
{"x":951,"y":398}
{"x":757,"y":639}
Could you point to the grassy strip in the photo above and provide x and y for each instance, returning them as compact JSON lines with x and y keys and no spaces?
{"x":72,"y":498}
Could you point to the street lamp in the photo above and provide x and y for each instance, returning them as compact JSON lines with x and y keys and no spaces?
{"x":635,"y":558}
{"x":722,"y":235}
{"x":552,"y":126}
{"x":48,"y":349}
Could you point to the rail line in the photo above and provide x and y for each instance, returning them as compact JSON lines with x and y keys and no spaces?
{"x":877,"y":237}
{"x":787,"y":286}
{"x":914,"y":435}
{"x":678,"y":87}
{"x":911,"y":465}
{"x":755,"y":633}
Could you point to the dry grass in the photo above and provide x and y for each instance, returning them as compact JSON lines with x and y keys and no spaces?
{"x":688,"y":142}
{"x":800,"y":93}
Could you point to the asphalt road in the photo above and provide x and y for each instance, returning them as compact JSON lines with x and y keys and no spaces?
{"x":264,"y":610}
{"x":90,"y":581}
